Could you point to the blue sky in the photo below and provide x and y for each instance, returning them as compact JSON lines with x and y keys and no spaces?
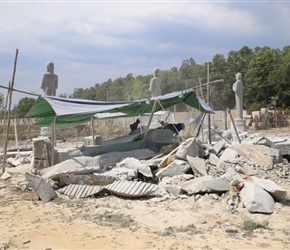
{"x":92,"y":41}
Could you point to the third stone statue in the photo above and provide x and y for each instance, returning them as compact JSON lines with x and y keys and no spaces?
{"x":238,"y":89}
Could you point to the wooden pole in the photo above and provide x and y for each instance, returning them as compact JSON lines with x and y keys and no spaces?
{"x":237,"y":134}
{"x":200,"y":89}
{"x":16,"y":141}
{"x":10,"y":91}
{"x":52,"y":142}
{"x":93,"y":130}
{"x":5,"y":112}
{"x":76,"y":128}
{"x":17,"y":90}
{"x":200,"y":125}
{"x":208,"y":102}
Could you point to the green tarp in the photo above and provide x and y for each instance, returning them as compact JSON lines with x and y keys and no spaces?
{"x":71,"y":112}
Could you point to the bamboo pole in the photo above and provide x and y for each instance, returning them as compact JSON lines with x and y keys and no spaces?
{"x":17,"y":90}
{"x":10,"y":92}
{"x":208,"y":102}
{"x":5,"y":113}
{"x":93,"y":130}
{"x":16,"y":141}
{"x":237,"y":134}
{"x":77,"y":137}
{"x":52,"y":142}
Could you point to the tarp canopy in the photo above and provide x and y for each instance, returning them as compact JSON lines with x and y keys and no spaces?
{"x":71,"y":112}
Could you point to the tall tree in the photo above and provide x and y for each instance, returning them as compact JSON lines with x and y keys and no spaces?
{"x":258,"y":87}
{"x":190,"y":72}
{"x":280,"y":79}
{"x":78,"y":93}
{"x":141,"y":87}
{"x":221,"y":92}
{"x":23,"y":106}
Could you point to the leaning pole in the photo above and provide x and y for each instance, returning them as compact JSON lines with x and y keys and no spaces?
{"x":10,"y":91}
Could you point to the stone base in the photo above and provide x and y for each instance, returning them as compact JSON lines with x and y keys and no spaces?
{"x":240,"y":127}
{"x":46,"y":132}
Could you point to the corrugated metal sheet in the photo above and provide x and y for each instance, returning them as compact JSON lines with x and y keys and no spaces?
{"x":122,"y":188}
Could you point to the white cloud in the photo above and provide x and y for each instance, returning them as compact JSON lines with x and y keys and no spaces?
{"x":90,"y":42}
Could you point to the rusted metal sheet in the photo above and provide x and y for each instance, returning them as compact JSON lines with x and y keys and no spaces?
{"x":121,"y":188}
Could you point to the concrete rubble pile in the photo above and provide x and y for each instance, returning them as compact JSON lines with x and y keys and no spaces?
{"x":249,"y":173}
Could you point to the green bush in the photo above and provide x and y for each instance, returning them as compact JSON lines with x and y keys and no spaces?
{"x":251,"y":225}
{"x":254,"y":107}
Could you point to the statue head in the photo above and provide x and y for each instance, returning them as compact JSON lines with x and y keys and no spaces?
{"x":50,"y":67}
{"x":239,"y":76}
{"x":156,"y":72}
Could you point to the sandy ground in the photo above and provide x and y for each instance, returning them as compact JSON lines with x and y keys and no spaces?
{"x":111,"y":222}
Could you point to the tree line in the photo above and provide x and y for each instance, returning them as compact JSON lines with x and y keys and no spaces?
{"x":265,"y":76}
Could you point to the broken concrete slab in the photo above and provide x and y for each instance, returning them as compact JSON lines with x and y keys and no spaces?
{"x":231,"y":175}
{"x":220,"y":184}
{"x":177,"y":167}
{"x":217,"y":147}
{"x":196,"y":185}
{"x":93,"y":151}
{"x":15,"y":162}
{"x":213,"y":159}
{"x":173,"y":184}
{"x":261,"y":155}
{"x":120,"y":173}
{"x":283,"y":146}
{"x":155,"y":161}
{"x":256,"y":199}
{"x":280,"y":142}
{"x":189,"y":147}
{"x":5,"y":176}
{"x":41,"y":187}
{"x":16,"y":154}
{"x":112,"y":158}
{"x":197,"y":165}
{"x":85,"y":179}
{"x":133,"y":163}
{"x":80,"y":165}
{"x":279,"y":194}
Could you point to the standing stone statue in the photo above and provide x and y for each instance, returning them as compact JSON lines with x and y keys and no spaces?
{"x":238,"y":89}
{"x":49,"y":82}
{"x":49,"y":85}
{"x":155,"y":84}
{"x":239,"y":124}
